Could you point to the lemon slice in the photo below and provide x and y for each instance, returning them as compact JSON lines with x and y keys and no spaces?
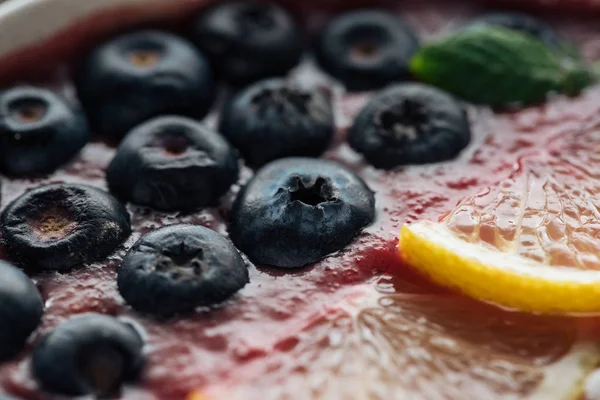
{"x":491,"y":275}
{"x":531,"y":243}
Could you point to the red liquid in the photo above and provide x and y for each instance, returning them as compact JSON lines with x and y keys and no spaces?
{"x":273,"y":339}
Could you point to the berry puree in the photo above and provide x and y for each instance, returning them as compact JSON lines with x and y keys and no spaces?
{"x":273,"y":320}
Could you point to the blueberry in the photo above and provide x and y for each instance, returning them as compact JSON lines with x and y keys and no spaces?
{"x":60,"y":226}
{"x":366,"y":49}
{"x":410,"y":123}
{"x":177,"y":268}
{"x":248,"y":40}
{"x":88,"y":354}
{"x":39,"y":131}
{"x":521,"y":22}
{"x":273,"y":119}
{"x":297,"y":210}
{"x":173,"y":163}
{"x":141,"y":75}
{"x":21,"y":309}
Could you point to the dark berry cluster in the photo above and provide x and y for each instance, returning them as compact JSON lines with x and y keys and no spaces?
{"x":150,"y":90}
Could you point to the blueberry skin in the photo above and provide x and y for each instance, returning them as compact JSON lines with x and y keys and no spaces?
{"x":523,"y":23}
{"x":248,"y":40}
{"x":295,"y":211}
{"x":39,"y":131}
{"x":21,"y":309}
{"x":61,"y":226}
{"x":173,"y":163}
{"x":65,"y":360}
{"x":137,"y":76}
{"x":177,"y":268}
{"x":273,"y":119}
{"x":410,"y":123}
{"x":366,"y":49}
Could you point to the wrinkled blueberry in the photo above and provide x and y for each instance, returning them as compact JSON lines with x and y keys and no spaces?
{"x":60,"y":226}
{"x":366,"y":49}
{"x":248,"y":40}
{"x":172,"y":163}
{"x":523,"y":23}
{"x":410,"y":123}
{"x":178,"y":268}
{"x":297,"y":210}
{"x":141,"y":75}
{"x":21,"y":309}
{"x":39,"y":131}
{"x":88,"y":354}
{"x":273,"y":119}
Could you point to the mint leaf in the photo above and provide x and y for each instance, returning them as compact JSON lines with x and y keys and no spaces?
{"x":577,"y":77}
{"x":498,"y":66}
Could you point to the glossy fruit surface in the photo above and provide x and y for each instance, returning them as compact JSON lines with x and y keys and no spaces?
{"x":528,"y":242}
{"x":295,"y":332}
{"x":61,"y":226}
{"x":248,"y":40}
{"x":178,"y":268}
{"x":410,"y":123}
{"x":141,"y":75}
{"x":173,"y":163}
{"x":89,"y":354}
{"x":21,"y":309}
{"x":366,"y":49}
{"x":274,"y":119}
{"x":39,"y":131}
{"x":297,"y":210}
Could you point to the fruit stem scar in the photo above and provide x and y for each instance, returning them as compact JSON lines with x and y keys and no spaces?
{"x":364,"y":51}
{"x":144,"y":58}
{"x":103,"y":369}
{"x":403,"y":122}
{"x":311,"y":194}
{"x":53,"y":224}
{"x":29,"y":112}
{"x":183,"y":261}
{"x":174,"y":145}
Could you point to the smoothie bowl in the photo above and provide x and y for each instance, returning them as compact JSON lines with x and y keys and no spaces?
{"x":255,"y":200}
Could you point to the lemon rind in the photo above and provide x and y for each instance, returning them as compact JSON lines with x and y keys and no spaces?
{"x":497,"y":277}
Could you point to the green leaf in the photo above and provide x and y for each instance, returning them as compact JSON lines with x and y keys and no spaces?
{"x":498,"y":66}
{"x":577,"y":77}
